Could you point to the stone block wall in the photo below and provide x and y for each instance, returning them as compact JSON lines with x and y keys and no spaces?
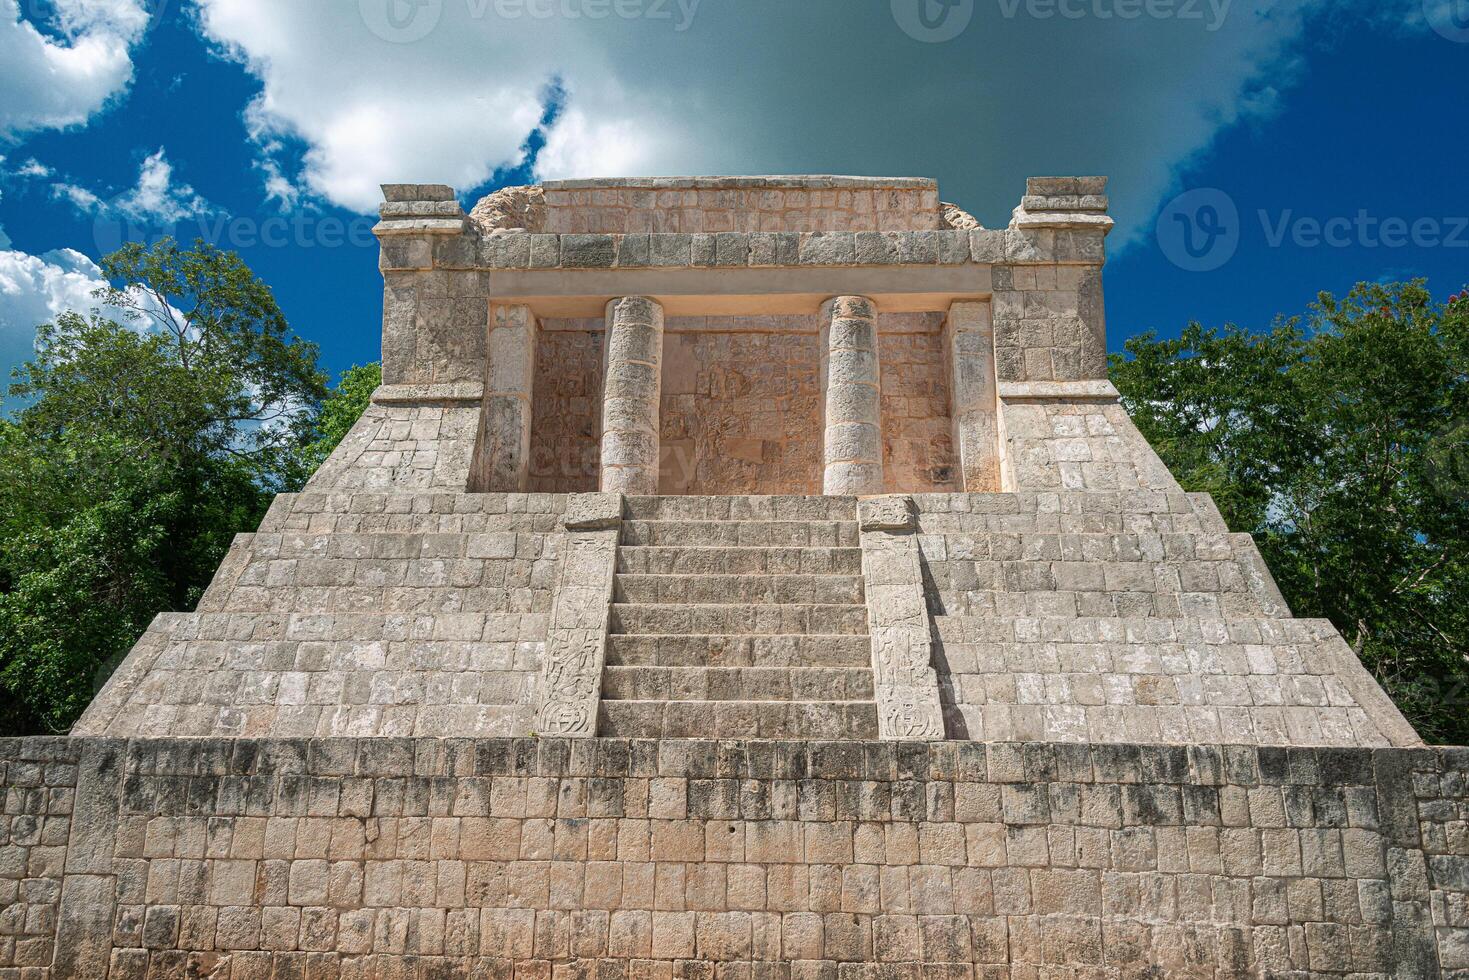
{"x":38,"y":779}
{"x":1132,"y":616}
{"x":356,"y":858}
{"x":917,"y":431}
{"x":356,"y":613}
{"x":566,"y":406}
{"x":740,"y":204}
{"x":741,"y":405}
{"x":741,"y":409}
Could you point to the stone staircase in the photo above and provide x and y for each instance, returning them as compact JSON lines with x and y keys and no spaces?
{"x":739,"y":617}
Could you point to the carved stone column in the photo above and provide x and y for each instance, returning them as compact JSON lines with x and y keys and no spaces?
{"x":630,"y":394}
{"x":570,"y":693}
{"x":502,"y":449}
{"x":850,"y":383}
{"x":969,"y":340}
{"x":905,"y":684}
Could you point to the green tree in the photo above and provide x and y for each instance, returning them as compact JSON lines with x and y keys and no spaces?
{"x":139,"y":449}
{"x":1338,"y":438}
{"x":342,"y":408}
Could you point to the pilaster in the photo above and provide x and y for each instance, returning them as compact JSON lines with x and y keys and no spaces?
{"x":502,"y":449}
{"x":969,"y":342}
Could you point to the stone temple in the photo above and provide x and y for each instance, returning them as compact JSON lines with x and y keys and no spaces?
{"x":738,"y":579}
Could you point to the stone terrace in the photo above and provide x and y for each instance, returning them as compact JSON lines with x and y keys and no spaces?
{"x":738,"y":579}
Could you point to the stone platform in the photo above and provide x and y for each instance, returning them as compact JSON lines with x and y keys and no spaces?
{"x":738,"y":579}
{"x":660,"y":859}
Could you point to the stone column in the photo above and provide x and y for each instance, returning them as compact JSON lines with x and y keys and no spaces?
{"x":969,"y":341}
{"x":502,"y":450}
{"x":850,"y":377}
{"x":630,"y":393}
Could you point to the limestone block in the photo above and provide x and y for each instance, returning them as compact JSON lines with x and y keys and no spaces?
{"x":571,"y":677}
{"x":892,"y":513}
{"x":593,"y":511}
{"x":906,"y":685}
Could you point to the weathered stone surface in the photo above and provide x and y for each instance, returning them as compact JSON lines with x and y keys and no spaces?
{"x":853,"y":440}
{"x":511,"y":208}
{"x":593,"y":512}
{"x":631,"y":395}
{"x":753,"y":855}
{"x":1138,"y":762}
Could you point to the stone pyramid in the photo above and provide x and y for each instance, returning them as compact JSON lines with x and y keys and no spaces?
{"x":738,"y":578}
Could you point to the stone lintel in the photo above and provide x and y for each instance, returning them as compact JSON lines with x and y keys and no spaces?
{"x":419,"y":226}
{"x":417,"y":192}
{"x":764,"y":182}
{"x":561,"y":293}
{"x":1089,"y":390}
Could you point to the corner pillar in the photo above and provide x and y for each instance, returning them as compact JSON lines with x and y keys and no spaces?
{"x":630,"y":396}
{"x":502,"y":449}
{"x":969,"y":342}
{"x":850,"y":384}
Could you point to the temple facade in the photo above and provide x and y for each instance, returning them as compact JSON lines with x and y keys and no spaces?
{"x":738,"y":579}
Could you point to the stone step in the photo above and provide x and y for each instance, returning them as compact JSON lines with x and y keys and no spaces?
{"x":810,"y":650}
{"x":652,"y":559}
{"x":1139,"y":630}
{"x":737,"y":684}
{"x":742,"y":508}
{"x":739,"y":719}
{"x":738,"y":589}
{"x":778,"y":534}
{"x":1093,"y":549}
{"x":643,"y":618}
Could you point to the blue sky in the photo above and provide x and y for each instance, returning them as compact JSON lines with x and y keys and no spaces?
{"x":1260,"y":151}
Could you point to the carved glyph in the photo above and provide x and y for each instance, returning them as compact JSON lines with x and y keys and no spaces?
{"x":906,"y":684}
{"x":571,"y":677}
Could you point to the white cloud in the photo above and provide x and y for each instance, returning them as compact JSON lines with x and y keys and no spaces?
{"x":80,"y":198}
{"x":32,"y":168}
{"x":155,"y":198}
{"x":60,"y":73}
{"x":449,"y":90}
{"x":35,"y":289}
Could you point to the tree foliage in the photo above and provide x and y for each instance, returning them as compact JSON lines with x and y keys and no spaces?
{"x":1341,"y":440}
{"x":135,"y":452}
